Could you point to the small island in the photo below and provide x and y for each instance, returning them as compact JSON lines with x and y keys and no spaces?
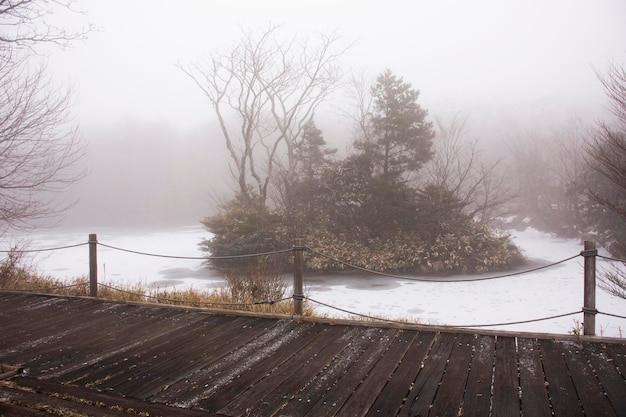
{"x":404,"y":197}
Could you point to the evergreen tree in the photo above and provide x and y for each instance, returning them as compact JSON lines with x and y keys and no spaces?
{"x":371,"y":194}
{"x":439,"y":212}
{"x":400,"y":137}
{"x":302,"y":191}
{"x":363,"y":206}
{"x":311,"y":153}
{"x":242,"y":228}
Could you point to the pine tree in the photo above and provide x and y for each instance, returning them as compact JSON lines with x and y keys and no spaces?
{"x":401,"y":137}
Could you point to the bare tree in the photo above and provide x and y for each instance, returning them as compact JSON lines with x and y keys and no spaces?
{"x":272,"y":87}
{"x":459,"y":167}
{"x":40,"y":150}
{"x":606,"y":156}
{"x":548,"y":170}
{"x":612,"y":279}
{"x":24,"y":24}
{"x":607,"y":147}
{"x":530,"y":174}
{"x":360,"y":113}
{"x":567,"y":171}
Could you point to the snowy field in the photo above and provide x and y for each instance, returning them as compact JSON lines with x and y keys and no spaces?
{"x":548,"y":292}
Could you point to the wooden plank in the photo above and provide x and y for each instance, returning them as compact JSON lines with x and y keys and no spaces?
{"x":284,"y":349}
{"x":54,"y":405}
{"x":115,"y":361}
{"x":333,"y":396}
{"x":202,"y":344}
{"x":477,"y":399}
{"x":307,"y":393}
{"x":96,"y":357}
{"x":535,"y":400}
{"x":105,"y":399}
{"x":150,"y":356}
{"x":365,"y":395}
{"x":590,"y":392}
{"x":60,"y":338}
{"x":71,"y":345}
{"x":561,"y":390}
{"x":449,"y":398}
{"x":393,"y":394}
{"x":11,"y":410}
{"x":29,"y":309}
{"x":422,"y":394}
{"x":224,"y":366}
{"x":116,"y":368}
{"x":617,"y":352}
{"x":608,"y":375}
{"x":506,"y":401}
{"x":270,"y":393}
{"x":28,"y":324}
{"x":215,"y":352}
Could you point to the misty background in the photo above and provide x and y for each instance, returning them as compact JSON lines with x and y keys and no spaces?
{"x":518,"y":70}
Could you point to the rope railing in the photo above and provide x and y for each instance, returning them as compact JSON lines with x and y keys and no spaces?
{"x":589,"y":254}
{"x":366,"y":316}
{"x":511,"y":323}
{"x":609,"y":258}
{"x":428,"y":279}
{"x":375,"y":318}
{"x":612,"y":315}
{"x":15,"y":250}
{"x":203,"y":258}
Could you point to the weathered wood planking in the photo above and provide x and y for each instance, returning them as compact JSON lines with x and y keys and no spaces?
{"x":477,"y":397}
{"x":534,"y":400}
{"x":82,"y":353}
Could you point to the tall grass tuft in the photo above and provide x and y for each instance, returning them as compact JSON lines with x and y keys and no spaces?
{"x":262,"y":282}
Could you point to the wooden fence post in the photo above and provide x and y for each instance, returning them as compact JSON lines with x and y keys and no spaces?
{"x":93,"y":265}
{"x":298,"y":268}
{"x":589,"y":308}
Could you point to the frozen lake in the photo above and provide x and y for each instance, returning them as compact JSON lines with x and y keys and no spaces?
{"x":547,"y":292}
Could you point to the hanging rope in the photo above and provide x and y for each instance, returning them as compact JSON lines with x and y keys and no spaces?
{"x":204,"y":258}
{"x":428,"y":279}
{"x":354,"y":313}
{"x":608,"y":258}
{"x":510,"y":323}
{"x":612,"y":315}
{"x":43,"y":250}
{"x":445,"y":325}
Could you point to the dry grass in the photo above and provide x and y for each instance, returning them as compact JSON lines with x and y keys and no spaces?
{"x":250,"y":292}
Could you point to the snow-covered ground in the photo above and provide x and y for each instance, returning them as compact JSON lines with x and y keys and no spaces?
{"x":547,"y":292}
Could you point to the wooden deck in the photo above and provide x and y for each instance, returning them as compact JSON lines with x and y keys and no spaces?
{"x":101,"y":358}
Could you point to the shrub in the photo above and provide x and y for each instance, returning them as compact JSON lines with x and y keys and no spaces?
{"x":474,"y":248}
{"x":242,"y":228}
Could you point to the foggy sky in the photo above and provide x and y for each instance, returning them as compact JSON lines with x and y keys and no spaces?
{"x":507,"y":64}
{"x":531,"y":52}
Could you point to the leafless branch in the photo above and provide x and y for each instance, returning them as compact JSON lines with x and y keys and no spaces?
{"x":458,"y":167}
{"x":40,"y":149}
{"x":25,"y":24}
{"x":271,"y":88}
